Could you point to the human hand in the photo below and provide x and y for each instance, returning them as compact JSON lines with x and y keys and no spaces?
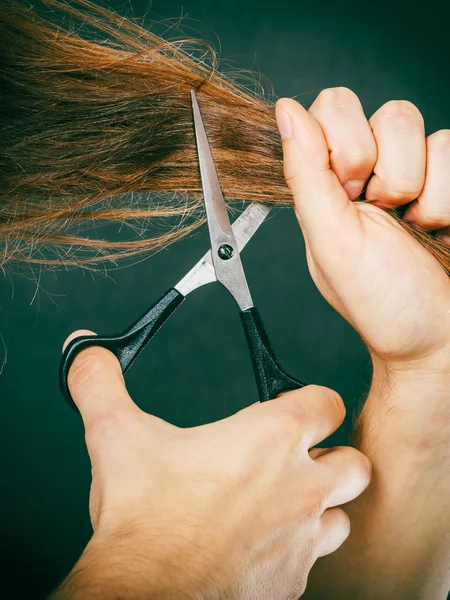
{"x":240,"y":508}
{"x":364,"y":263}
{"x":397,"y":296}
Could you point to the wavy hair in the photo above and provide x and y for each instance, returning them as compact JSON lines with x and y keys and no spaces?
{"x":96,"y":127}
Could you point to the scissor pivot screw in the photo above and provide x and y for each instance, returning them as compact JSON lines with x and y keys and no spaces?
{"x":225,"y":251}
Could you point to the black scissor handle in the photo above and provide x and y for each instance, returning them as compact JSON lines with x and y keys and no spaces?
{"x":128,"y":344}
{"x":271,"y":379}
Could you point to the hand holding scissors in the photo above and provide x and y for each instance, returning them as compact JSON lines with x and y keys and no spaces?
{"x":221,"y":263}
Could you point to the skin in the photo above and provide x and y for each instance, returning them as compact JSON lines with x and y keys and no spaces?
{"x":241,"y":508}
{"x":398,"y":298}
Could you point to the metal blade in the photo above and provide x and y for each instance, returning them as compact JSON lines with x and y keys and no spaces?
{"x":244,"y":228}
{"x":224,"y":248}
{"x":216,"y":209}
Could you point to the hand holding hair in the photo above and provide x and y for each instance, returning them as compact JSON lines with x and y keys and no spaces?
{"x":396,"y":294}
{"x":386,"y":284}
{"x":240,"y":508}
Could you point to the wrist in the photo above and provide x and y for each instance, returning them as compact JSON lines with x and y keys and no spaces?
{"x":119,"y":568}
{"x":400,"y":523}
{"x":410,"y":402}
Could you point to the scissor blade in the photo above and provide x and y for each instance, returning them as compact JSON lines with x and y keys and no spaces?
{"x":244,"y":228}
{"x":216,"y":208}
{"x":224,"y":249}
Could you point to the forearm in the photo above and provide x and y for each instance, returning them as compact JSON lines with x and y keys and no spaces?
{"x":399,"y":548}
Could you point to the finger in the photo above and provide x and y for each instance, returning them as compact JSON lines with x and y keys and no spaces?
{"x":96,"y":383}
{"x":399,"y":173}
{"x":431,"y":210}
{"x":334,"y":530}
{"x":314,"y":412}
{"x":76,"y":334}
{"x":346,"y":473}
{"x":321,"y":203}
{"x":316,"y":452}
{"x":352,"y":147}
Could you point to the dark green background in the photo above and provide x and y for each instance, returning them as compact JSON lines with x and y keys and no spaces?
{"x":197,"y":369}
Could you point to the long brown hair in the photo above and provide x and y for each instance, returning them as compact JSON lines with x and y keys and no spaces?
{"x":96,"y":126}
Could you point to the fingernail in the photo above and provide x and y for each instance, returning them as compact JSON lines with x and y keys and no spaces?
{"x":284,"y":122}
{"x":353,"y":188}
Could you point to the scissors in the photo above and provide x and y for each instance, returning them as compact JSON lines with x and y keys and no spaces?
{"x":221,"y":263}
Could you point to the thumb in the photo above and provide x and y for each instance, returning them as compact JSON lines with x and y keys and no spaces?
{"x":96,"y":383}
{"x":321,"y":203}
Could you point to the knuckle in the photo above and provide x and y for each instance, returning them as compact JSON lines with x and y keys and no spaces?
{"x":404,"y":189}
{"x":291,"y":174}
{"x":441,"y":139}
{"x":353,"y":159}
{"x":401,"y":109}
{"x":340,"y":96}
{"x":334,"y":401}
{"x":316,"y":500}
{"x":287,"y":428}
